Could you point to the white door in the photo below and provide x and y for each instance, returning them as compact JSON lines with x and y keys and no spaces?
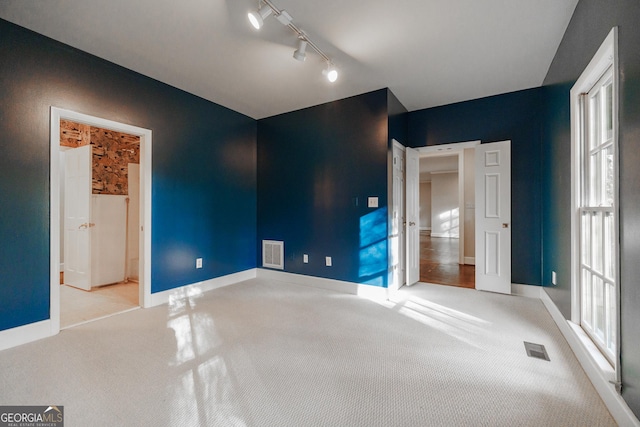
{"x":412,"y":213}
{"x":397,"y":235}
{"x":493,"y":217}
{"x":77,"y":217}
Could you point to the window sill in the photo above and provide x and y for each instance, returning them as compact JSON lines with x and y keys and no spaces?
{"x":598,"y":359}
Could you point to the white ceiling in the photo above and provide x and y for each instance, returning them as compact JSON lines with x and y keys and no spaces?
{"x":428,"y":52}
{"x":435,"y":164}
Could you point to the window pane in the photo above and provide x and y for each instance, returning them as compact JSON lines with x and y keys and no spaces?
{"x":587,"y":300}
{"x":595,"y":129}
{"x":596,"y":181}
{"x":610,"y":317}
{"x":608,"y":175}
{"x":608,"y":111}
{"x":609,"y":246}
{"x":596,"y":240}
{"x":598,"y":307}
{"x":586,"y":238}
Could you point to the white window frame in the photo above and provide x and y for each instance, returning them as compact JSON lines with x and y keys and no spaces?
{"x":605,"y":58}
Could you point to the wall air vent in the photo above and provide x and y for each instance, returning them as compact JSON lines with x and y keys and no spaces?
{"x":273,"y":254}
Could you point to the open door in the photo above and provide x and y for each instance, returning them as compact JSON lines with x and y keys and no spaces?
{"x":493,"y":217}
{"x":397,"y":232}
{"x":77,"y":218}
{"x":412,"y":215}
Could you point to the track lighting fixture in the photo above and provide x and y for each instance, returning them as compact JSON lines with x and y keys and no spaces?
{"x":284,"y":18}
{"x":300,"y":54}
{"x":257,"y":17}
{"x":266,"y":8}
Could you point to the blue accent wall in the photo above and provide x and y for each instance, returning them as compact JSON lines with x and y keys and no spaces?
{"x":515,"y":116}
{"x":204,"y":168}
{"x":591,"y":22}
{"x":316,"y":169}
{"x":398,"y":120}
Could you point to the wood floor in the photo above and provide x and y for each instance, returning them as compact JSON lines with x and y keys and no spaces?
{"x":439,"y":263}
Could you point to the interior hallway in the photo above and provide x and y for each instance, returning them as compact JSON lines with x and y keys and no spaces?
{"x":439,"y":263}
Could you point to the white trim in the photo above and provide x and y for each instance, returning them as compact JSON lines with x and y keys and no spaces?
{"x":24,"y":334}
{"x":593,"y":367}
{"x":605,"y":57}
{"x":470,"y":260}
{"x":397,"y":144}
{"x":54,"y":225}
{"x":365,"y":291}
{"x":527,"y":291}
{"x":164,"y":297}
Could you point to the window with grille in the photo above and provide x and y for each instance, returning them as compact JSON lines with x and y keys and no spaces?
{"x":598,"y":224}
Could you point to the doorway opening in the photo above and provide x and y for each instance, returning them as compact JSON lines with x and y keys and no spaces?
{"x":447,"y":214}
{"x":100,"y":218}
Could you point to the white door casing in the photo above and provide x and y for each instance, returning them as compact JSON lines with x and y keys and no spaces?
{"x":144,"y":233}
{"x":412,"y":214}
{"x":77,"y":221}
{"x":493,"y":217}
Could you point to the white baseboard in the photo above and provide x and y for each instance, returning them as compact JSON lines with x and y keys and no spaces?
{"x":470,"y":260}
{"x":595,"y":369}
{"x":529,"y":291}
{"x":365,"y":291}
{"x":164,"y":297}
{"x":23,"y":334}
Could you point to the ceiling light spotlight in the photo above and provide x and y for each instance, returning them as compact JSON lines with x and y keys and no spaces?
{"x":257,"y":17}
{"x":331,"y":73}
{"x":300,"y":54}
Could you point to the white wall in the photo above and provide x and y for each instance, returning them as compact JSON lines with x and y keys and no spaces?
{"x":425,"y":206}
{"x":444,"y":205}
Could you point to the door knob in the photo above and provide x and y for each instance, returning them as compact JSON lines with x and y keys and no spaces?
{"x":505,"y":225}
{"x":86,"y":225}
{"x":411,"y":223}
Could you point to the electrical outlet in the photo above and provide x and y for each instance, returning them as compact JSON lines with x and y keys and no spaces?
{"x":328,"y":261}
{"x":198,"y":262}
{"x":554,"y":280}
{"x":305,"y":258}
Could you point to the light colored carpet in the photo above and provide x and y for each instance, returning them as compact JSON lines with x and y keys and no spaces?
{"x":78,"y":306}
{"x":269,"y":353}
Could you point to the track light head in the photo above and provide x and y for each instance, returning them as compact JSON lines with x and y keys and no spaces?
{"x":331,"y":73}
{"x":299,"y":53}
{"x":257,"y":17}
